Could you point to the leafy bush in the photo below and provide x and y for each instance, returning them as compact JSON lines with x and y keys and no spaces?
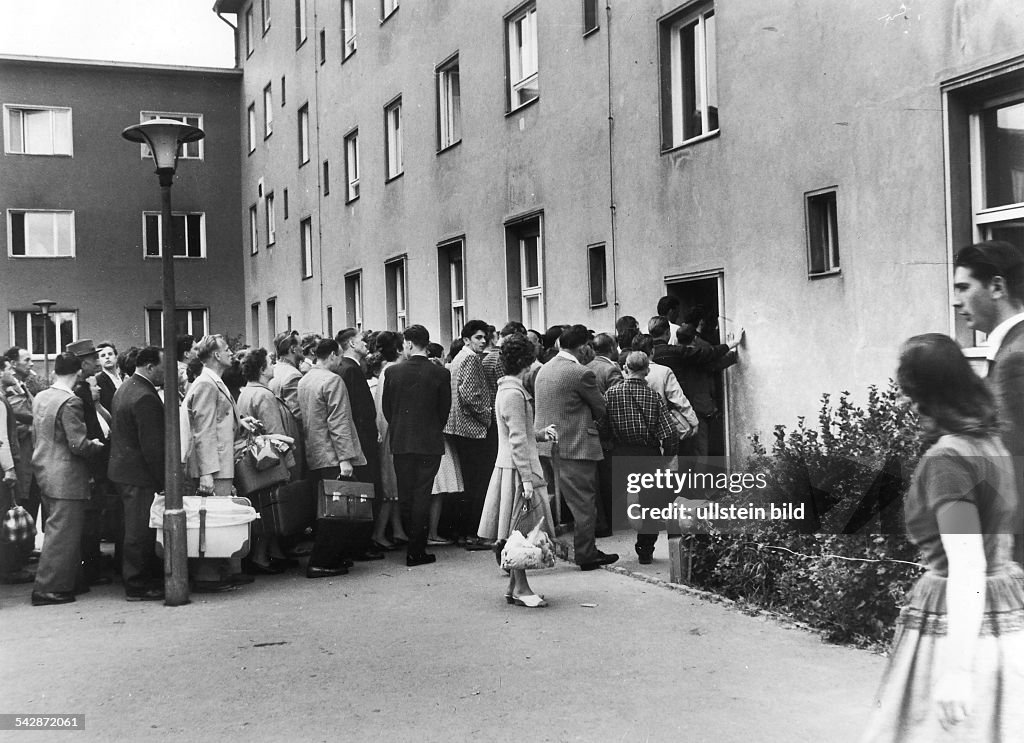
{"x":851,"y":474}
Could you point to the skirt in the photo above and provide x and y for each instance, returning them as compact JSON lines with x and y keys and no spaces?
{"x":504,"y":503}
{"x":905,"y":711}
{"x":449,"y":477}
{"x":388,"y":479}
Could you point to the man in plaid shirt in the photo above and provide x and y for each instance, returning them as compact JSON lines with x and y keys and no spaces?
{"x":640,"y":425}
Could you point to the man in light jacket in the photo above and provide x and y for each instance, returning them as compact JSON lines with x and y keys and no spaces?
{"x":332,"y":450}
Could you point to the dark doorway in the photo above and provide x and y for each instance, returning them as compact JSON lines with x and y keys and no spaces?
{"x":702,"y":294}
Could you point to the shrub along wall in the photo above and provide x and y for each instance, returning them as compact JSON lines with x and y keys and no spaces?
{"x":845,"y":568}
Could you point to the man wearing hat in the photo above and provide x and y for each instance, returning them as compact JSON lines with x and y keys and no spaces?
{"x":60,"y":462}
{"x":97,"y":425}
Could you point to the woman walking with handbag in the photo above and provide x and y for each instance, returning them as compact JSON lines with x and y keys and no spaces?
{"x":956,"y":670}
{"x":517,"y":494}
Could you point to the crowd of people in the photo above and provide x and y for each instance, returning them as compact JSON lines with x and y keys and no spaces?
{"x":509,"y":429}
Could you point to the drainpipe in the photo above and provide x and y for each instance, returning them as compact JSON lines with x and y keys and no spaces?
{"x":234,"y":33}
{"x":316,"y":162}
{"x":611,"y":166}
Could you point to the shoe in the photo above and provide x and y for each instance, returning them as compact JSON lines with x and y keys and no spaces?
{"x":18,"y":576}
{"x":400,"y":541}
{"x":385,"y":546}
{"x":645,"y":558}
{"x":240,"y":579}
{"x":213,"y":586}
{"x":254,"y":568}
{"x":424,"y":559}
{"x":315,"y":572}
{"x":49,"y":599}
{"x":603,"y":559}
{"x":511,"y":599}
{"x":479,"y":545}
{"x":347,"y":563}
{"x":145,"y":594}
{"x":439,"y":541}
{"x":368,"y":555}
{"x":530,"y":601}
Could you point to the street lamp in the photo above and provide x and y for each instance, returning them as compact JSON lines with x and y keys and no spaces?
{"x":44,"y":306}
{"x":164,"y":137}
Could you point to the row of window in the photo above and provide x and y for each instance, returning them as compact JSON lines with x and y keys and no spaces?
{"x":47,"y":130}
{"x":46,"y":233}
{"x":61,"y":328}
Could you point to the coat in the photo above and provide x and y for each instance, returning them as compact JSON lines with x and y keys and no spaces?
{"x":517,"y":439}
{"x":62,"y":451}
{"x":331,"y":436}
{"x":416,"y":401}
{"x":606,"y":371}
{"x":471,"y":410}
{"x":213,"y":422}
{"x":1006,"y":381}
{"x":285,"y":384}
{"x":567,"y":397}
{"x":137,"y":435}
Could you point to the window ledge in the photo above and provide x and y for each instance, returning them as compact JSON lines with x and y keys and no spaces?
{"x":519,"y":108}
{"x":389,"y":15}
{"x":824,"y":274}
{"x":44,"y":154}
{"x":591,"y":32}
{"x":346,"y":57}
{"x":353,"y":200}
{"x":41,"y":257}
{"x":394,"y":177}
{"x":267,"y":136}
{"x":598,"y":306}
{"x":451,"y":146}
{"x":177,"y":257}
{"x":301,"y":43}
{"x":691,"y":142}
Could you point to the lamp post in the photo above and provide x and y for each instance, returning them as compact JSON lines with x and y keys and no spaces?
{"x":44,"y":306}
{"x":164,"y":136}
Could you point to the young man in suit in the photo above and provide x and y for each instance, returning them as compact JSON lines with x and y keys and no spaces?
{"x":333,"y":451}
{"x":108,"y":378}
{"x":285,"y":382}
{"x":416,"y":401}
{"x":988,"y":291}
{"x":60,"y":461}
{"x":137,"y":470}
{"x":364,"y":418}
{"x":567,"y":397}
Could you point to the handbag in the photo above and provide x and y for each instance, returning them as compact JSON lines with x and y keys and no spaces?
{"x":18,"y":524}
{"x":345,"y":500}
{"x":531,"y":552}
{"x":249,"y":477}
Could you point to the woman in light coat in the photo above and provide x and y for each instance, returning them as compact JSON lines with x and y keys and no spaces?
{"x":517,"y":489}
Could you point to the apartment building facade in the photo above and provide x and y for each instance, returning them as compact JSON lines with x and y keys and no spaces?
{"x":804,"y":169}
{"x":81,"y":206}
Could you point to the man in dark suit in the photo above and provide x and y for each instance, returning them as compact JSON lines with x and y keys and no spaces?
{"x":988,"y":291}
{"x":686,"y":362}
{"x":60,"y":462}
{"x":416,"y":401}
{"x":568,"y":398}
{"x":364,"y":418}
{"x":137,"y":470}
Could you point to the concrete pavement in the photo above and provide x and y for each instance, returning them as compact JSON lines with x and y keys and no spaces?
{"x":429,"y":654}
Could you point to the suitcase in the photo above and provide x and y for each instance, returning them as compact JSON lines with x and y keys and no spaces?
{"x":286,"y":509}
{"x":345,"y":500}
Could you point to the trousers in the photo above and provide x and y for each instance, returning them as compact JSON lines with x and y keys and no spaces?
{"x":415,"y":474}
{"x":60,"y":563}
{"x":577,"y":479}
